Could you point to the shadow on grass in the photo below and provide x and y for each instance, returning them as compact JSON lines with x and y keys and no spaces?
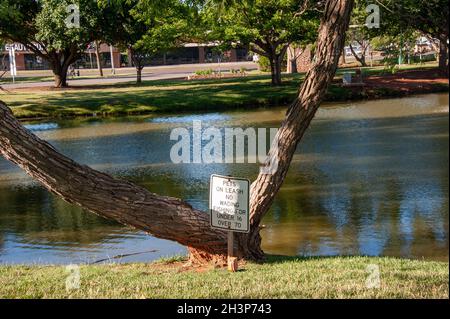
{"x":208,"y":95}
{"x":279,"y":259}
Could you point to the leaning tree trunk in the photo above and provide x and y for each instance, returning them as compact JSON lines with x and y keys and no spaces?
{"x":361,"y":59}
{"x":163,"y":217}
{"x":298,"y":117}
{"x":171,"y":218}
{"x":343,"y":60}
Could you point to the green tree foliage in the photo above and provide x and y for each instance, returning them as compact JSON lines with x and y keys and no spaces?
{"x":42,"y":27}
{"x":358,"y":32}
{"x":146,"y":27}
{"x":268,"y":27}
{"x":430,"y":17}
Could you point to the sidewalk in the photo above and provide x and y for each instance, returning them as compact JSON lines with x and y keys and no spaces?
{"x":122,"y":75}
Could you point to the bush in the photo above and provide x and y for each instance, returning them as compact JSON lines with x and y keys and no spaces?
{"x":264,"y":64}
{"x":204,"y":72}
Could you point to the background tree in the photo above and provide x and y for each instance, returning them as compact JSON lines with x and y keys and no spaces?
{"x":268,"y":27}
{"x":430,"y":17}
{"x":358,"y":32}
{"x":41,"y":27}
{"x":145,"y":28}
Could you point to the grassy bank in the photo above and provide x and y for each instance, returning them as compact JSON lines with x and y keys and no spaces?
{"x":182,"y":96}
{"x":280,"y":277}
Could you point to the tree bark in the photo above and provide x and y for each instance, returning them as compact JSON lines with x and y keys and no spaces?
{"x":97,"y":55}
{"x":275,"y":71}
{"x":331,"y":40}
{"x":60,"y":65}
{"x":443,"y":55}
{"x":361,"y":59}
{"x":171,"y":218}
{"x":292,"y":60}
{"x":129,"y":204}
{"x":276,"y":60}
{"x":139,"y":75}
{"x":60,"y":62}
{"x":343,"y":60}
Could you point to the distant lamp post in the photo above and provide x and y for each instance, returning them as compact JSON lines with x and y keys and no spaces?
{"x":113,"y":70}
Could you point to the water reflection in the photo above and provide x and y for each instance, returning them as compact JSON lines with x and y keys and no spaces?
{"x":358,"y":184}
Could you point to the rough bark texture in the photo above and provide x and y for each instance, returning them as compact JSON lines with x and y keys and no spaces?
{"x":60,"y":73}
{"x":161,"y":216}
{"x":361,"y":59}
{"x":60,"y":62}
{"x":138,"y":60}
{"x":443,"y":55}
{"x":97,"y":56}
{"x":298,"y":117}
{"x":139,"y":75}
{"x":276,"y":61}
{"x":171,"y":218}
{"x":343,"y":59}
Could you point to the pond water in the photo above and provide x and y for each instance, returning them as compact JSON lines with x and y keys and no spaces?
{"x":369,"y":178}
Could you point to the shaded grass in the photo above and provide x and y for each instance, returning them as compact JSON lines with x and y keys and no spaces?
{"x":175,"y":96}
{"x":152,"y":96}
{"x":280,"y":277}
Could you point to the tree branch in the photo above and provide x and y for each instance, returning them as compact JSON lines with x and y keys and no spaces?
{"x":163,"y":217}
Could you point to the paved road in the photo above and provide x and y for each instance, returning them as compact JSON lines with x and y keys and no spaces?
{"x":129,"y":74}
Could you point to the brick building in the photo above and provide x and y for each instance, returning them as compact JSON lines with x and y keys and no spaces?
{"x":189,"y":53}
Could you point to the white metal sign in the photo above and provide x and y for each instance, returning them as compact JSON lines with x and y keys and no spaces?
{"x":229,"y":203}
{"x":12,"y":62}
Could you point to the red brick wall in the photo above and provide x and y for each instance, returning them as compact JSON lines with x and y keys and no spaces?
{"x":20,"y":61}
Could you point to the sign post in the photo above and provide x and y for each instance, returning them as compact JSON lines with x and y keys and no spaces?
{"x":229,"y":209}
{"x":12,"y":63}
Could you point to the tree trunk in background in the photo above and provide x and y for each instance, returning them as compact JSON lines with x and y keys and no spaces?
{"x":342,"y":60}
{"x":443,"y":55}
{"x":60,"y":63}
{"x":171,"y":218}
{"x":276,"y":61}
{"x":60,"y":75}
{"x":292,"y":60}
{"x":130,"y":60}
{"x":275,"y":69}
{"x":361,"y":59}
{"x":97,"y":55}
{"x":139,"y":75}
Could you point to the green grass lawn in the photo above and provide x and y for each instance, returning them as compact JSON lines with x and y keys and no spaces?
{"x":280,"y":277}
{"x":168,"y":96}
{"x":151,"y":96}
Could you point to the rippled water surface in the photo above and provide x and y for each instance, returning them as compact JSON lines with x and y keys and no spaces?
{"x":368,"y":178}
